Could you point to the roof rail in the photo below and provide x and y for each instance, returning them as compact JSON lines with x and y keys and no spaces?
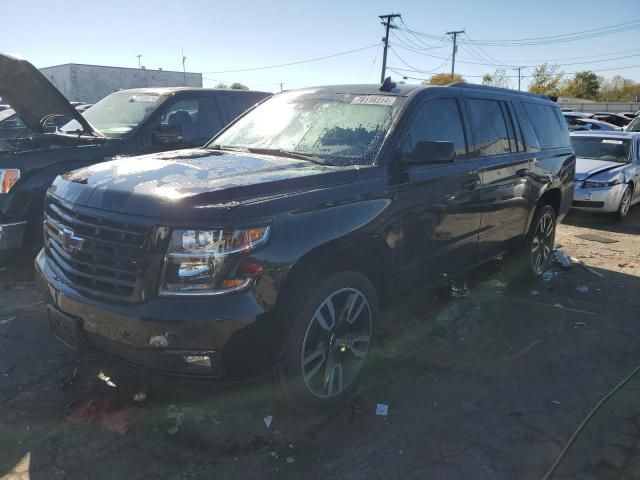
{"x":475,"y":86}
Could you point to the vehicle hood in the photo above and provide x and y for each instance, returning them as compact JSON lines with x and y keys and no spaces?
{"x":192,"y":183}
{"x":586,"y":168}
{"x":32,"y":96}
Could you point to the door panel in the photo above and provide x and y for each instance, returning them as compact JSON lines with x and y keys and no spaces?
{"x":504,"y":196}
{"x":505,"y":171}
{"x":438,"y":204}
{"x":440,"y":218}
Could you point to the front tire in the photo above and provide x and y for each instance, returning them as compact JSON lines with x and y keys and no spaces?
{"x":329,"y":327}
{"x":541,"y":240}
{"x":625,"y":203}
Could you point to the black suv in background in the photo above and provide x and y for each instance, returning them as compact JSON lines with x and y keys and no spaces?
{"x":275,"y":244}
{"x":56,"y":138}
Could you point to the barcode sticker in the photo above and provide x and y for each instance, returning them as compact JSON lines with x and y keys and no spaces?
{"x":385,"y":100}
{"x":144,"y":98}
{"x":614,"y":142}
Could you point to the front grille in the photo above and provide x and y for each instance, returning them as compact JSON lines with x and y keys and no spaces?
{"x":587,"y":204}
{"x":108,"y":263}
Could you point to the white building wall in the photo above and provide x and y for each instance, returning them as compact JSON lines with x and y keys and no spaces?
{"x":90,"y":83}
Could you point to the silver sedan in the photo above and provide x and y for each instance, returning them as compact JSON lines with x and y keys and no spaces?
{"x":607,"y":171}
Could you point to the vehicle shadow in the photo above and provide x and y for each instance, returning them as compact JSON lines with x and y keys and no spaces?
{"x":605,"y":222}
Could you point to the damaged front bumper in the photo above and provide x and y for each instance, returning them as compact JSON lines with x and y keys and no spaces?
{"x":605,"y":200}
{"x":209,"y":337}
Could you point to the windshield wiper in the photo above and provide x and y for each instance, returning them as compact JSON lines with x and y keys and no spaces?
{"x":279,"y":152}
{"x":231,"y":148}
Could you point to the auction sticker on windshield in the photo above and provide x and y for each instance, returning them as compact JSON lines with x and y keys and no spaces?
{"x":144,"y":98}
{"x":373,"y":100}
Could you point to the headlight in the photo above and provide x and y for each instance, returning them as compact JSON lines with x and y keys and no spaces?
{"x":208,"y":262}
{"x":8,"y":178}
{"x":596,"y":184}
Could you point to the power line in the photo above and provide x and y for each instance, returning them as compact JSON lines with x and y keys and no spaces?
{"x":372,"y":64}
{"x":296,"y":62}
{"x":553,"y":60}
{"x":406,"y":41}
{"x":442,"y":41}
{"x":575,"y":35}
{"x":483,"y":54}
{"x":569,"y":37}
{"x":492,"y":64}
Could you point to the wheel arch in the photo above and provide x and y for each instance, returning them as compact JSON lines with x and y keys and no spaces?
{"x":366,"y":255}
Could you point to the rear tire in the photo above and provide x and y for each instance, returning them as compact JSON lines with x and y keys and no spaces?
{"x":326,"y":341}
{"x":540,"y":241}
{"x":625,"y":203}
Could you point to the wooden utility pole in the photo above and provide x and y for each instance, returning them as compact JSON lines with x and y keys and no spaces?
{"x":519,"y":69}
{"x":455,"y":48}
{"x":386,"y":21}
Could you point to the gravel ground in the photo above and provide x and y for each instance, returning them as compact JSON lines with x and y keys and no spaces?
{"x":490,"y":386}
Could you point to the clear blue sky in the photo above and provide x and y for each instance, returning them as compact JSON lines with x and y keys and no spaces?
{"x":220,"y":36}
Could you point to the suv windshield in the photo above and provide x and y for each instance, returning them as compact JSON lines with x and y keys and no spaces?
{"x":597,"y":148}
{"x":338,"y":129}
{"x":118,"y":114}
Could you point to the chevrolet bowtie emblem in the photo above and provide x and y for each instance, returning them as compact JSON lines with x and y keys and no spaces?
{"x":69,"y":241}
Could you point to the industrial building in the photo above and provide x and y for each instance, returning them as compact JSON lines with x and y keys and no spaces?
{"x":90,"y":83}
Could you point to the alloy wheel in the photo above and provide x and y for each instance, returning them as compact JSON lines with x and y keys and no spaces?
{"x":542,"y":243}
{"x":625,"y":202}
{"x":336,"y":342}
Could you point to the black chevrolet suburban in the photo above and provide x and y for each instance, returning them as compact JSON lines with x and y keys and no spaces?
{"x":52,"y":137}
{"x":274,"y":246}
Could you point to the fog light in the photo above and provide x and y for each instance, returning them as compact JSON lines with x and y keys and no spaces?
{"x":200,"y":360}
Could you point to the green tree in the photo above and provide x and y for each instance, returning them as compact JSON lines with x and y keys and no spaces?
{"x":618,"y":89}
{"x":222,"y":85}
{"x":546,"y":80}
{"x":496,"y":79}
{"x":444,"y":79}
{"x":238,"y":86}
{"x":583,"y":85}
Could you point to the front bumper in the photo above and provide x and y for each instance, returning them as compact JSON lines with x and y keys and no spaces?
{"x":605,"y":200}
{"x":228,"y":336}
{"x":12,"y":235}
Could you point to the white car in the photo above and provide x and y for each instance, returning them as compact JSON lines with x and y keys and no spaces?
{"x":607,"y":171}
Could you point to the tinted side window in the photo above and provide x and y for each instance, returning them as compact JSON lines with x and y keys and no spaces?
{"x":232,"y":106}
{"x":515,"y":126}
{"x":209,"y":122}
{"x":490,"y":127}
{"x":437,"y":120}
{"x":549,"y":125}
{"x":198,"y":118}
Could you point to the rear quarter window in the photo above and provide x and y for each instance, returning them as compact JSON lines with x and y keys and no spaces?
{"x":548,"y":124}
